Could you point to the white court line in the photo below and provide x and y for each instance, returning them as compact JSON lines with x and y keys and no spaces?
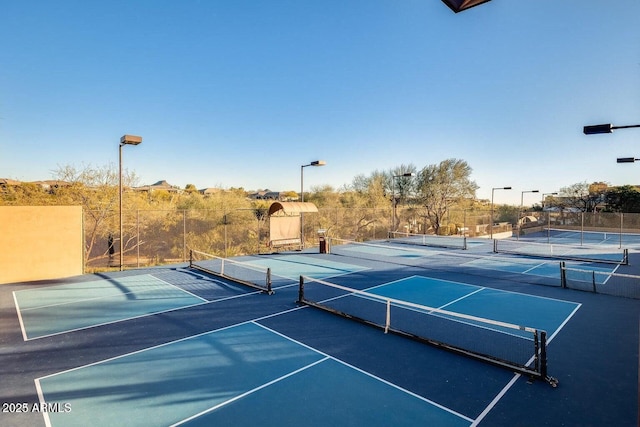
{"x":117,"y":294}
{"x":111,"y":322}
{"x":22,"y":328}
{"x":506,"y":388}
{"x":417,"y":396}
{"x":247,"y":393}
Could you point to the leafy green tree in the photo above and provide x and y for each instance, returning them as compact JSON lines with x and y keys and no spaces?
{"x":623,"y":199}
{"x":442,"y":186}
{"x":582,"y":196}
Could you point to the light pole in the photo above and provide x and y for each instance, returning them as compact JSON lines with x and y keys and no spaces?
{"x":125,"y":140}
{"x":314,"y":163}
{"x":520,"y":212}
{"x":492,"y":190}
{"x":544,"y":198}
{"x":393,"y":192}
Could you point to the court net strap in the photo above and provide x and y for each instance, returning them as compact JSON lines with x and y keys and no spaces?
{"x":254,"y":276}
{"x":515,"y":347}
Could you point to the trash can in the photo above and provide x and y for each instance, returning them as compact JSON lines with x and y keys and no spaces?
{"x":322,"y":239}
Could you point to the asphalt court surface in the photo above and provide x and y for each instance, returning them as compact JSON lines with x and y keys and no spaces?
{"x":171,"y":346}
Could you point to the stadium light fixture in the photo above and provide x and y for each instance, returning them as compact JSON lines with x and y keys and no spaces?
{"x":460,"y":5}
{"x":393,"y":192}
{"x":125,"y":140}
{"x":492,"y":190}
{"x":314,"y":163}
{"x":604,"y":128}
{"x":627,"y":160}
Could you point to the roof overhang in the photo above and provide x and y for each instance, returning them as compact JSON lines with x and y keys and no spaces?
{"x":291,"y":208}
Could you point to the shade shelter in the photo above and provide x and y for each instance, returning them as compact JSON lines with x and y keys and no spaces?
{"x":284,"y":223}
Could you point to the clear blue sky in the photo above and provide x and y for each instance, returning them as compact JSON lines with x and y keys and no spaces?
{"x":241,"y":93}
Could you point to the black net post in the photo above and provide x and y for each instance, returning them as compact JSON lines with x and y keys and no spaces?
{"x":563,"y":275}
{"x":269,"y":289}
{"x":543,"y":354}
{"x":301,"y":291}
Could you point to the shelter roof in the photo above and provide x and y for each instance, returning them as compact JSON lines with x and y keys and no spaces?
{"x":291,"y":208}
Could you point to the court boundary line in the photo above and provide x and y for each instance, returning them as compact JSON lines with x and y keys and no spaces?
{"x":19,"y":313}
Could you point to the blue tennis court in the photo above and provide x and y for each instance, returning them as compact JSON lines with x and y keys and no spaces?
{"x":176,"y":346}
{"x":510,"y":307}
{"x":534,"y":266}
{"x":63,"y":308}
{"x":211,"y":378}
{"x":294,"y":266}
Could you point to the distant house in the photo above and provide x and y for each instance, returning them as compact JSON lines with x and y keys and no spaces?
{"x":209,"y":191}
{"x":48,"y":185}
{"x":160,"y":185}
{"x":280,"y":196}
{"x":265,"y":195}
{"x":5,"y":183}
{"x":51,"y":185}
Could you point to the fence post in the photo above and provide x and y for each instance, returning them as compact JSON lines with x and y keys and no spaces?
{"x":621,"y":228}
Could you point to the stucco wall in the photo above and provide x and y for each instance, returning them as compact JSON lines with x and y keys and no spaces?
{"x":40,"y":242}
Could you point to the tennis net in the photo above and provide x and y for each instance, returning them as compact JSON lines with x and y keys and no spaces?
{"x":593,"y":253}
{"x":602,"y":282}
{"x":514,"y":347}
{"x":455,"y":242}
{"x":376,"y":251}
{"x":247,"y":274}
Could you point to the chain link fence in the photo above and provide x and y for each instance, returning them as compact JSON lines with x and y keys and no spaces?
{"x":156,"y":237}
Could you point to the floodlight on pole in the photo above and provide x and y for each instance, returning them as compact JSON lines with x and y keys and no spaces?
{"x":393,"y":192}
{"x":521,"y":207}
{"x":125,"y":140}
{"x":604,"y":128}
{"x":460,"y":5}
{"x":626,"y":160}
{"x":314,"y":163}
{"x":492,"y":190}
